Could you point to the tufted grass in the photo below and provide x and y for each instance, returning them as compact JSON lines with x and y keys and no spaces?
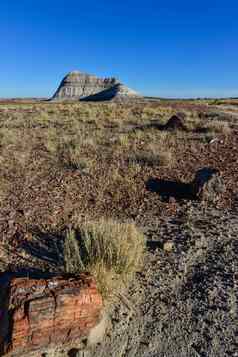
{"x":112,"y":252}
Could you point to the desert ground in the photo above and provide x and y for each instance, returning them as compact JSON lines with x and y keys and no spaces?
{"x":66,"y":163}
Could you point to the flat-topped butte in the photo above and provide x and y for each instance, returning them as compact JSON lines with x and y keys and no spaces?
{"x":82,"y":86}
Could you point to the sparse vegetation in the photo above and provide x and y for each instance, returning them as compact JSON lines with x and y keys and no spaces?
{"x":69,"y":154}
{"x":111,"y":251}
{"x":219,"y":127}
{"x":71,"y":164}
{"x":153,"y":158}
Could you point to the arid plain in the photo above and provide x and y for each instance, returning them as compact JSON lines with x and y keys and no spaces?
{"x":115,"y":165}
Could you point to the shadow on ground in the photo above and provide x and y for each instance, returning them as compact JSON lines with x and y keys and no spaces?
{"x":153,"y":245}
{"x":167,"y":189}
{"x":46,"y":247}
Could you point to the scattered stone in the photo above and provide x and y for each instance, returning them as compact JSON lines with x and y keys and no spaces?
{"x":208,"y":185}
{"x":214,"y":140}
{"x":176,"y":122}
{"x":78,"y":86}
{"x":168,"y":247}
{"x":39,"y":314}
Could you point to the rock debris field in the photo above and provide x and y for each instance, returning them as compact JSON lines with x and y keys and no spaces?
{"x":162,"y":170}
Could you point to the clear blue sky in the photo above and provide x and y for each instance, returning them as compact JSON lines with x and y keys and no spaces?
{"x":165,"y":48}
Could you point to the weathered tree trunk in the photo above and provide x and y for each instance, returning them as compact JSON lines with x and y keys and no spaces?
{"x":208,"y":185}
{"x":176,"y":122}
{"x":38,"y":315}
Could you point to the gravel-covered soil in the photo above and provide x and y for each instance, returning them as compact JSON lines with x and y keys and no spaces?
{"x":184,"y":303}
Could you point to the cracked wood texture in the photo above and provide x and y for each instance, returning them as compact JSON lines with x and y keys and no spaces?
{"x":37,"y":314}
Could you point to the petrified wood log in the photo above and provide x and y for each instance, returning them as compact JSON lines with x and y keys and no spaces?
{"x":176,"y":122}
{"x":39,"y":314}
{"x":207,"y":185}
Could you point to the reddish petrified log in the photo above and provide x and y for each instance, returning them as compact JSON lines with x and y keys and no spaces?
{"x":38,"y":314}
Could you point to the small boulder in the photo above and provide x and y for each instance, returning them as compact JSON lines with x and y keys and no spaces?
{"x":168,"y":246}
{"x":176,"y":122}
{"x":207,"y":185}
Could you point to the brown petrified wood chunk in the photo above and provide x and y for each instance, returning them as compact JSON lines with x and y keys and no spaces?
{"x":208,"y":185}
{"x":176,"y":122}
{"x":38,"y":314}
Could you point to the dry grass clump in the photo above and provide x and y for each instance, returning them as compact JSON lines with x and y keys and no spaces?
{"x":217,"y":127}
{"x":167,"y":158}
{"x":69,"y":154}
{"x":145,"y":158}
{"x":154,"y":155}
{"x":109,"y":250}
{"x":67,"y":151}
{"x":212,"y":127}
{"x":193,"y":123}
{"x":123,"y":141}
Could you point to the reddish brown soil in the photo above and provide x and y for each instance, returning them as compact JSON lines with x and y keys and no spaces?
{"x":44,"y":197}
